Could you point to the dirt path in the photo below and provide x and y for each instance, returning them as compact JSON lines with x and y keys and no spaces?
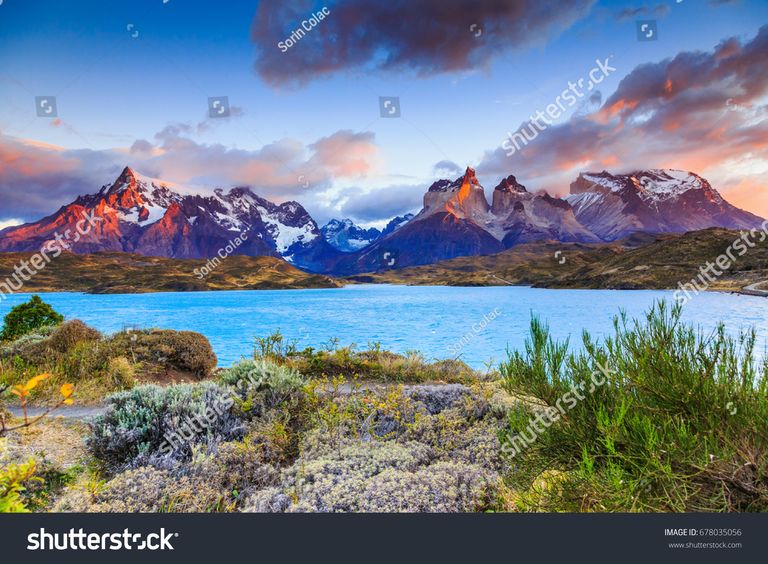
{"x":81,"y":413}
{"x":85,"y":413}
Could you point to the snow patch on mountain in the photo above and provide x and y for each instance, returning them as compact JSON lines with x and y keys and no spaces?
{"x":284,"y":235}
{"x":347,"y":237}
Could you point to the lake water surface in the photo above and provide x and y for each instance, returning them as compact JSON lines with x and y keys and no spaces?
{"x":435,"y":320}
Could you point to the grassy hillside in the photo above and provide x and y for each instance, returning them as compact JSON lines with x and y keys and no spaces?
{"x":105,"y":273}
{"x":642,"y":261}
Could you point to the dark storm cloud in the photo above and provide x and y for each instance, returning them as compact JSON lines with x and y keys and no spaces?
{"x":426,"y":37}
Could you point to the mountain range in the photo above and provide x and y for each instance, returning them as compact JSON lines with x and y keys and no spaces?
{"x":146,"y":216}
{"x":143,"y":215}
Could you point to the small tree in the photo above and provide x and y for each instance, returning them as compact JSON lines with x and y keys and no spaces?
{"x":27,"y":317}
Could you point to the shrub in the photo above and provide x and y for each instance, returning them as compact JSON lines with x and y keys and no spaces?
{"x":67,"y":335}
{"x":335,"y":481}
{"x":444,"y":487}
{"x":218,"y":480}
{"x":372,"y":364}
{"x":261,"y":385}
{"x":455,"y":438}
{"x":378,"y":477}
{"x":27,"y":317}
{"x":25,"y":346}
{"x":150,"y":425}
{"x":140,"y":490}
{"x":183,"y":350}
{"x":678,"y":425}
{"x":13,"y":481}
{"x":260,"y":375}
{"x":121,"y":373}
{"x":437,"y":398}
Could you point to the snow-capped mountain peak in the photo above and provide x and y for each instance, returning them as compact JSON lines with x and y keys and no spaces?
{"x":663,"y":184}
{"x":651,"y":185}
{"x":135,"y":198}
{"x":347,"y":237}
{"x":654,"y":200}
{"x":396,"y":223}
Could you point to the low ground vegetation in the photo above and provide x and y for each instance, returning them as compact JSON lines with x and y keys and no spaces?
{"x":371,"y":364}
{"x":677,"y":425}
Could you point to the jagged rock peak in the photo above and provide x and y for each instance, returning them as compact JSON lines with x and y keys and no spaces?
{"x":510,"y":184}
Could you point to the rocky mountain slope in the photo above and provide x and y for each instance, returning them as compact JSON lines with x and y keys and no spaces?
{"x":641,"y":261}
{"x":657,"y":201}
{"x":142,"y":215}
{"x":456,"y":220}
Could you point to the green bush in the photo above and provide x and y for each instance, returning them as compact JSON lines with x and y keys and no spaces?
{"x":28,"y":317}
{"x":258,"y":375}
{"x":677,"y":421}
{"x":14,"y":479}
{"x":121,"y":373}
{"x":26,"y":346}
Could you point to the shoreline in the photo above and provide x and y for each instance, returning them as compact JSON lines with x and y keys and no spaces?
{"x":749,"y":290}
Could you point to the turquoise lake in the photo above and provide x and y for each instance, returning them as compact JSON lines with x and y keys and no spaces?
{"x":436,"y":320}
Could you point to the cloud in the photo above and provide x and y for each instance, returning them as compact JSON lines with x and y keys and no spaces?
{"x":446,"y":168}
{"x":37,"y":178}
{"x":376,"y":205}
{"x":345,"y":153}
{"x":695,"y":111}
{"x":589,"y":105}
{"x":659,"y":11}
{"x":427,"y":37}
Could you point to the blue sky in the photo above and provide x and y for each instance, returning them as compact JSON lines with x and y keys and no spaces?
{"x":113,"y":88}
